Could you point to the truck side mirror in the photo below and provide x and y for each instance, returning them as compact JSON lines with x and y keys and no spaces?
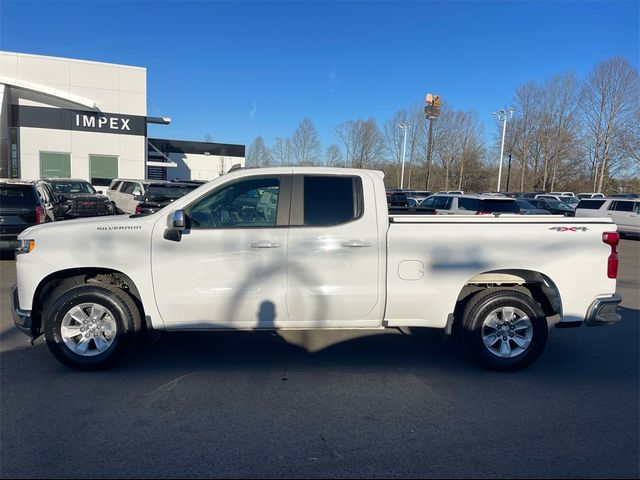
{"x":176,"y":223}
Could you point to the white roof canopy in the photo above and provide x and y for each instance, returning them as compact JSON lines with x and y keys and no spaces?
{"x":53,"y":92}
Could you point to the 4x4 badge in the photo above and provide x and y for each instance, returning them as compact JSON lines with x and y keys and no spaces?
{"x":569,"y":229}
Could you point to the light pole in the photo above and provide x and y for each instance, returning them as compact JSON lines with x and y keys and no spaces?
{"x":405,"y":127}
{"x":502,"y":115}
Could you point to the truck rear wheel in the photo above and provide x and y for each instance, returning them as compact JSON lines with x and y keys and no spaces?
{"x":504,"y":329}
{"x":91,"y":327}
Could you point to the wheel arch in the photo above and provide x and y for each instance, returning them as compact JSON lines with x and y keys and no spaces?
{"x":64,"y":280}
{"x":535,"y":284}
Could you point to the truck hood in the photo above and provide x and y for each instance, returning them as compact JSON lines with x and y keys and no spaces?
{"x":88,"y":226}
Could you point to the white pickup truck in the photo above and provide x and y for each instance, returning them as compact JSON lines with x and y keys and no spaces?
{"x":311,"y":248}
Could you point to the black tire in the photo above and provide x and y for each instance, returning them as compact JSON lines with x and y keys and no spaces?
{"x":124,"y":311}
{"x":481,"y":306}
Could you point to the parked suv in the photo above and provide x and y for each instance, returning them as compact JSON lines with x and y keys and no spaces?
{"x":77,"y":198}
{"x":20,"y":207}
{"x":625,"y":212}
{"x":590,"y":195}
{"x":470,"y":204}
{"x":570,"y":200}
{"x":161,"y":193}
{"x":123,"y":192}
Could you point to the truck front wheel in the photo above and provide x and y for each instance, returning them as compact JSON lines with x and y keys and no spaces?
{"x":91,"y":327}
{"x":504,"y":329}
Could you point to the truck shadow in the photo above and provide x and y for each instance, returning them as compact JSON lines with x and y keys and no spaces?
{"x":268,"y":349}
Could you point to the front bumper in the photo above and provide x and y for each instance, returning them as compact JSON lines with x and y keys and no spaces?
{"x":603,"y":311}
{"x":22,"y":318}
{"x":9,"y":244}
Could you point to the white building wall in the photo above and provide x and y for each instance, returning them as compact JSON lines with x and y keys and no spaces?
{"x":114,"y":88}
{"x":191,"y":166}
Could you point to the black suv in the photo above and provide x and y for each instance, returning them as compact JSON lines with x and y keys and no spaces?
{"x":21,"y":206}
{"x":159,"y":194}
{"x":77,"y":198}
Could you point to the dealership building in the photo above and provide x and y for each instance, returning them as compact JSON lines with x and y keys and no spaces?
{"x":62,"y":117}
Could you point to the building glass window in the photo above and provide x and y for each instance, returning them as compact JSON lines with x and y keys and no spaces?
{"x":14,"y":154}
{"x":55,"y":165}
{"x":104,"y":168}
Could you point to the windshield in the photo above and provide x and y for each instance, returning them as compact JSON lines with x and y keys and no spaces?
{"x":71,"y":188}
{"x":559,"y":205}
{"x":525,"y":204}
{"x":570,"y":200}
{"x":167,"y":193}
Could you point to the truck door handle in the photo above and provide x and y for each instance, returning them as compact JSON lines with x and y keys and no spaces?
{"x":356,"y":243}
{"x":265,"y":244}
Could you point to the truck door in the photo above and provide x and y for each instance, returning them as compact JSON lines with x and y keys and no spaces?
{"x":229,"y":268}
{"x":333,"y":267}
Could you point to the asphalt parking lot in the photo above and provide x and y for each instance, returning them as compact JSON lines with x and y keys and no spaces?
{"x":386,"y":405}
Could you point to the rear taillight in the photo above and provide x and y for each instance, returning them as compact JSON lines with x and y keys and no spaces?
{"x":612,"y":239}
{"x":41,"y":215}
{"x":138,"y":209}
{"x":483,"y":213}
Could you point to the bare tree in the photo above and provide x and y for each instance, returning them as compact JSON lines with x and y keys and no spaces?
{"x":333,"y":156}
{"x":345,"y":132}
{"x":471,"y":145}
{"x":391,"y":139}
{"x":609,"y":105}
{"x":207,"y":137}
{"x":305,"y":143}
{"x":361,"y":139}
{"x":281,"y":151}
{"x":258,"y":154}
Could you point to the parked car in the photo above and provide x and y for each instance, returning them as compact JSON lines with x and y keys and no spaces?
{"x":77,"y":198}
{"x":339,"y":263}
{"x":624,"y":212}
{"x":553,"y":206}
{"x":159,"y":194}
{"x":566,"y":199}
{"x":417,"y":196}
{"x":563,"y":194}
{"x":624,"y":195}
{"x":590,"y":195}
{"x":526,"y":195}
{"x":123,"y":193}
{"x":397,"y":198}
{"x":527,"y":208}
{"x":493,"y":194}
{"x":470,"y":204}
{"x":20,"y":207}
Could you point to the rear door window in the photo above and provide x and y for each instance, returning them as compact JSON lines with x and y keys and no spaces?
{"x":443,"y":203}
{"x":331,"y":200}
{"x":128,"y":187}
{"x":499,"y":206}
{"x":590,"y":204}
{"x":622,"y":206}
{"x":470,"y":204}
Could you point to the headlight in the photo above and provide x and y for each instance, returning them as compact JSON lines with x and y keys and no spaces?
{"x":26,"y":246}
